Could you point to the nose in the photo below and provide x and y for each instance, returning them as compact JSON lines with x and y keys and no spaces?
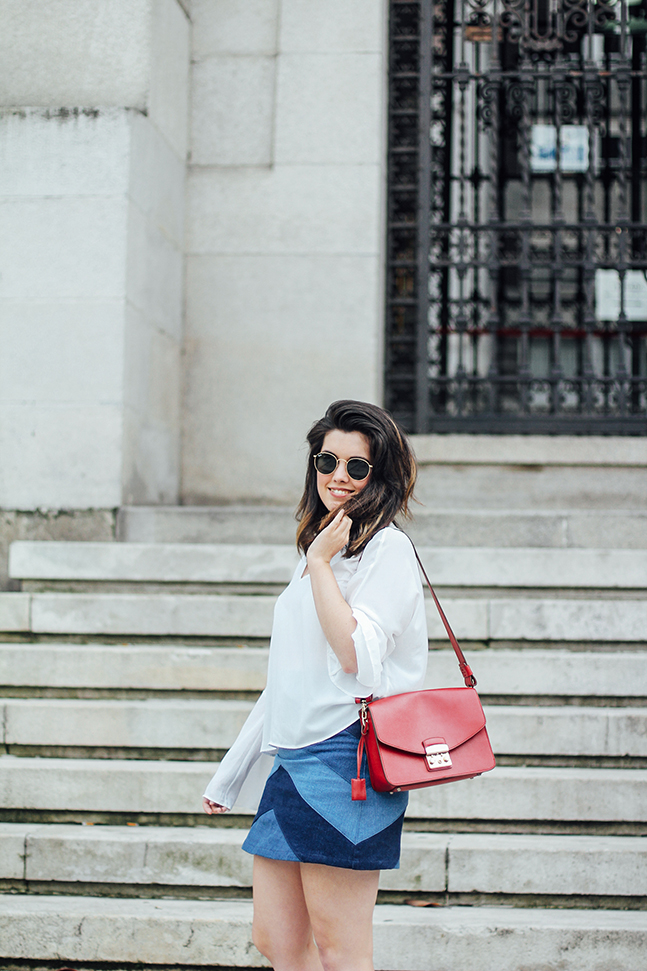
{"x":340,"y":474}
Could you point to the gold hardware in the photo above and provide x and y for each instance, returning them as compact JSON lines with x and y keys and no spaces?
{"x":363,"y":716}
{"x":438,"y":756}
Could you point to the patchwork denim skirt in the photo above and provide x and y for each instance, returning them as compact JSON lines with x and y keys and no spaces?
{"x":306,"y":814}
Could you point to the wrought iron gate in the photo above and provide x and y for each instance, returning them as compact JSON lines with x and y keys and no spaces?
{"x":517,"y":216}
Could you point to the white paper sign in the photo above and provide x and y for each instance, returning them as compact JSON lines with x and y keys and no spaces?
{"x":574,"y":148}
{"x":607,"y":295}
{"x":574,"y":141}
{"x":543,"y":152}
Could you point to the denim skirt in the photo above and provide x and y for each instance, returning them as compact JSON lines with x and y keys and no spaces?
{"x":306,"y":814}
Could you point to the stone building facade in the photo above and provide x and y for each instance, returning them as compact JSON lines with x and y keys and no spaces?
{"x":192,"y":249}
{"x":196,"y":239}
{"x":192,"y":243}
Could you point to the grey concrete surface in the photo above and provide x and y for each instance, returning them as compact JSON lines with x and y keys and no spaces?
{"x":197,"y":615}
{"x":406,"y":938}
{"x":103,"y":785}
{"x":516,"y":864}
{"x":568,"y":620}
{"x":434,"y":526}
{"x":567,"y":730}
{"x":155,"y":614}
{"x":13,"y":838}
{"x":164,"y":562}
{"x":532,"y":486}
{"x":246,"y":563}
{"x":14,"y":612}
{"x":507,"y":793}
{"x":207,"y":524}
{"x":133,"y":666}
{"x":201,"y":724}
{"x":589,"y":451}
{"x":83,"y":524}
{"x":516,"y":792}
{"x":527,"y":671}
{"x":153,"y":723}
{"x":475,"y":618}
{"x":491,"y":939}
{"x":431,"y":862}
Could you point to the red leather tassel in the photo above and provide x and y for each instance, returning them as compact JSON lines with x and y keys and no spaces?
{"x":358,"y":786}
{"x":358,"y":789}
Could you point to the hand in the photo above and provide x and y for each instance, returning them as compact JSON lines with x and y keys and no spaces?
{"x":330,"y":540}
{"x":212,"y":807}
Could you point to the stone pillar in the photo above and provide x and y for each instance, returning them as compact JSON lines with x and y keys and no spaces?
{"x":93,"y":127}
{"x":285,"y":236}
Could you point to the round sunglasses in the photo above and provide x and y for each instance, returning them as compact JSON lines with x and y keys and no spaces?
{"x":327,"y":462}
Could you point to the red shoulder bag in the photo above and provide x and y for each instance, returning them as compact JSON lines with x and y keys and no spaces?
{"x":424,"y":738}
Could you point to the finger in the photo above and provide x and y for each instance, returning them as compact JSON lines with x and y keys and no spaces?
{"x":334,"y":522}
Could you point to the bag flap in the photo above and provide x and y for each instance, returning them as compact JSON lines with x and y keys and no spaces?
{"x":404,"y":721}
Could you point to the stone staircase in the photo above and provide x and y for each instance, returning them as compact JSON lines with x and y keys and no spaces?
{"x":127,"y":669}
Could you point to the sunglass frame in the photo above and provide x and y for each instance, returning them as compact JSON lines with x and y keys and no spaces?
{"x":353,"y":458}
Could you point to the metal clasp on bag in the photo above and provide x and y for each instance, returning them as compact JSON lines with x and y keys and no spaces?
{"x":438,"y":756}
{"x":363,"y":712}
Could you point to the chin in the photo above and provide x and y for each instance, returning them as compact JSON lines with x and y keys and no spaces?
{"x":336,"y":502}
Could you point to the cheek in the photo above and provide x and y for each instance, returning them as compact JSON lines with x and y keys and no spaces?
{"x":321,"y":482}
{"x":362,"y":485}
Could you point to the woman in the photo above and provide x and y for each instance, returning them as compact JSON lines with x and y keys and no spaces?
{"x":350,"y":624}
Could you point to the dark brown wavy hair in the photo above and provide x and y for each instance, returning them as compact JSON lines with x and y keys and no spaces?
{"x":388,"y":490}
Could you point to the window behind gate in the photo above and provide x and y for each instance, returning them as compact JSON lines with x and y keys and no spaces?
{"x":517,"y":216}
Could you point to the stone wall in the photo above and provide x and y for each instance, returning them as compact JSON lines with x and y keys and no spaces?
{"x":284,"y":234}
{"x":93,"y":122}
{"x":97,"y":525}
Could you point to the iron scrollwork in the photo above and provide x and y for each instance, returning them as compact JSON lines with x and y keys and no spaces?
{"x":518,"y":181}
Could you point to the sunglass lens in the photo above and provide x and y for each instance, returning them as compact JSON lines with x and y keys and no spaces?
{"x":358,"y":468}
{"x":325,"y":463}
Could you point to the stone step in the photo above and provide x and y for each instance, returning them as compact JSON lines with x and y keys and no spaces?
{"x":242,"y":616}
{"x":202,"y":856}
{"x":207,"y":725}
{"x":158,"y":562}
{"x":154,"y":723}
{"x":208,"y":524}
{"x":175,"y":667}
{"x":218,"y":934}
{"x":511,"y":793}
{"x":146,"y":667}
{"x":515,"y":472}
{"x":567,"y":731}
{"x":612,"y":528}
{"x":256,"y":563}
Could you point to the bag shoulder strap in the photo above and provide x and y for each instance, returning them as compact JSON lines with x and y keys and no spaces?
{"x":466,"y":670}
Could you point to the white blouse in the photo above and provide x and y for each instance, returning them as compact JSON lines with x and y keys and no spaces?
{"x":308,"y":696}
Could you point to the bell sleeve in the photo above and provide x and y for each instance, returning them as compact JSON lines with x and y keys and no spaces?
{"x":386,"y":598}
{"x":242,"y":773}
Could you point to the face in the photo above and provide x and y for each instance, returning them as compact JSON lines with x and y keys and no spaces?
{"x":337,"y":488}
